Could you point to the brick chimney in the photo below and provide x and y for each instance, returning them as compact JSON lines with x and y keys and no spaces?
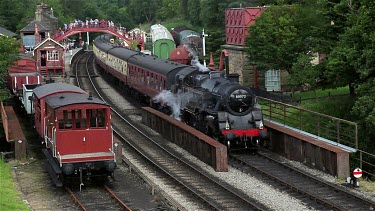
{"x":36,"y":35}
{"x":38,"y":13}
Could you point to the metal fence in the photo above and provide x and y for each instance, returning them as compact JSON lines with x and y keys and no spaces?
{"x":277,"y":96}
{"x":334,"y":129}
{"x":364,"y":161}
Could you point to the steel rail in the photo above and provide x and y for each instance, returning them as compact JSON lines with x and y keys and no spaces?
{"x":75,"y":198}
{"x":208,"y":201}
{"x":118,"y":200}
{"x":320,"y":198}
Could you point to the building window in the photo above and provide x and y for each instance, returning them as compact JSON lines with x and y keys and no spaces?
{"x":53,"y":55}
{"x":272,"y":80}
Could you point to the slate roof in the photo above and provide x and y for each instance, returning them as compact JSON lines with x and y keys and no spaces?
{"x":45,"y":40}
{"x":31,"y":27}
{"x":6,"y":32}
{"x":51,"y":88}
{"x":65,"y":99}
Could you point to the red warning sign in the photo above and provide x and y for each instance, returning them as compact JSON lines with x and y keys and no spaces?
{"x":357,"y":173}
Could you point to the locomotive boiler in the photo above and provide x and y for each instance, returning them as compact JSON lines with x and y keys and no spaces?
{"x":220,"y":107}
{"x":208,"y":100}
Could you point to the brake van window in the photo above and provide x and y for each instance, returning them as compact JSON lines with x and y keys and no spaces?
{"x":96,"y":117}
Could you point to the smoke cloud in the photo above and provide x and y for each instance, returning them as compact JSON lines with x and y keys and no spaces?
{"x":195,"y":59}
{"x":175,"y":102}
{"x":201,"y":67}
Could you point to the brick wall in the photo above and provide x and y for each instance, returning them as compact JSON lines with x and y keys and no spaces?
{"x":239,"y":63}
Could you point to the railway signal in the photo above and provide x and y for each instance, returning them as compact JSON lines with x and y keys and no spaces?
{"x":204,"y":45}
{"x":353,"y":179}
{"x":357,"y":173}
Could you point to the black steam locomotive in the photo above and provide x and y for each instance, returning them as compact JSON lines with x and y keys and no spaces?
{"x":208,"y":100}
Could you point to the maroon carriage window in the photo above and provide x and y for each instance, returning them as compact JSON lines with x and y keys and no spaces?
{"x":150,"y":77}
{"x":65,"y":120}
{"x":72,"y":120}
{"x":157,"y":82}
{"x":96,"y":117}
{"x":79,"y":119}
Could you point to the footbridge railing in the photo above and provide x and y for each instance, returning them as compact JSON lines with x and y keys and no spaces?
{"x":114,"y":30}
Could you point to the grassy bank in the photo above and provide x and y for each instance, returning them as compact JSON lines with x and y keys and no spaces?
{"x":333,"y":102}
{"x":9,"y":196}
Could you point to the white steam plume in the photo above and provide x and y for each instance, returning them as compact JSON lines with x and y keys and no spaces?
{"x":195,"y":59}
{"x":175,"y":102}
{"x":201,"y":67}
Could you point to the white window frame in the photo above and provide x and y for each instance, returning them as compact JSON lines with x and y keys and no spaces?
{"x":273,"y":80}
{"x":53,"y":55}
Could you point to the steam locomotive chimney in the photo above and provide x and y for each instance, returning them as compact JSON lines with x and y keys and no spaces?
{"x":212,"y":64}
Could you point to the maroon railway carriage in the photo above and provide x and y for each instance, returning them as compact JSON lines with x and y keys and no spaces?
{"x":210,"y":101}
{"x":24,"y":71}
{"x":40,"y":93}
{"x":76,"y":129}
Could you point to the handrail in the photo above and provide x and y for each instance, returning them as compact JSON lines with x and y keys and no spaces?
{"x":115,"y":30}
{"x":334,"y":129}
{"x":59,"y":157}
{"x":364,"y":162}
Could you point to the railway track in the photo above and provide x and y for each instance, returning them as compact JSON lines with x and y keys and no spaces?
{"x":97,"y":198}
{"x":206,"y":190}
{"x":213,"y":194}
{"x":317,"y":193}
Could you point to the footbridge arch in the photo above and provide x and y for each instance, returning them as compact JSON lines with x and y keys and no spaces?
{"x":115,"y":31}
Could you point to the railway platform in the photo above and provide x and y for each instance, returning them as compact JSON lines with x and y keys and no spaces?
{"x":196,"y":143}
{"x":68,"y":58}
{"x":316,"y":140}
{"x":13,"y":132}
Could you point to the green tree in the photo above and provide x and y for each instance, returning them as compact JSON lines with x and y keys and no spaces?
{"x":184,"y":9}
{"x":10,"y":13}
{"x":9,"y":48}
{"x":169,"y":9}
{"x":194,"y":10}
{"x":274,"y":42}
{"x":364,"y":114}
{"x":144,"y":11}
{"x":352,"y":61}
{"x":213,"y":13}
{"x":72,"y":9}
{"x":214,"y":41}
{"x":287,"y":38}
